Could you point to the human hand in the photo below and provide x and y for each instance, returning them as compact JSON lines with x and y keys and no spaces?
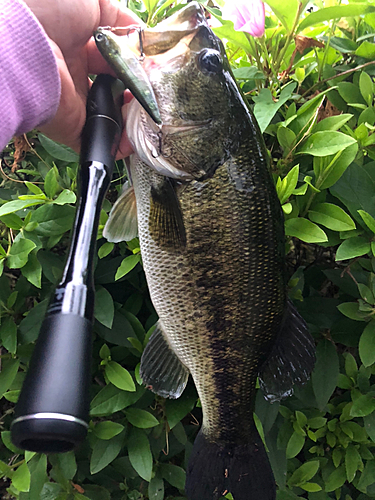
{"x":69,"y":24}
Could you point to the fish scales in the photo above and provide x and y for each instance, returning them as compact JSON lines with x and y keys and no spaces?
{"x":222,"y":298}
{"x":212,"y":240}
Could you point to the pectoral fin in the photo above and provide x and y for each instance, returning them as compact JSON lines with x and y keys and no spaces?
{"x":161,"y":370}
{"x":291,"y":360}
{"x":122,"y":224}
{"x":166,"y":223}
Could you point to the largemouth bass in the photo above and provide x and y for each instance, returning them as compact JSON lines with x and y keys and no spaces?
{"x":212,"y":240}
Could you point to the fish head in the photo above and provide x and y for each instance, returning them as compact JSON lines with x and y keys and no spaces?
{"x":198,"y":99}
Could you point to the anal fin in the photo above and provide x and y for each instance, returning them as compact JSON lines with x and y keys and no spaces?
{"x":161,"y":370}
{"x":122,"y":224}
{"x":292,"y":358}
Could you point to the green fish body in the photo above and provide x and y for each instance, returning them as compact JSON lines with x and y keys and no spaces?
{"x":212,"y":241}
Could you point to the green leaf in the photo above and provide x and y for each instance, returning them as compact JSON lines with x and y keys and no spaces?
{"x":368,"y":220}
{"x":295,"y":445}
{"x":286,"y":186}
{"x":331,"y":216}
{"x":336,"y":479}
{"x":8,"y":373}
{"x":119,"y":376}
{"x":177,"y":409}
{"x":51,"y":184}
{"x":104,"y":307}
{"x":67,"y":463}
{"x":332,"y":122}
{"x":66,"y":196}
{"x":286,"y":11}
{"x":367,"y":344}
{"x":326,"y":372}
{"x":38,"y":471}
{"x":58,"y":151}
{"x":353,"y":247}
{"x":265,"y":107}
{"x":351,"y":367}
{"x":8,"y":334}
{"x":139,"y":453}
{"x":21,"y":478}
{"x":32,"y":270}
{"x":107,"y":430}
{"x":111,"y":399}
{"x":14,"y":206}
{"x":19,"y":253}
{"x":53,"y":220}
{"x":334,"y":166}
{"x":351,"y":310}
{"x":104,"y":452}
{"x":369,"y":424}
{"x":350,"y":93}
{"x":141,"y":418}
{"x":363,"y":405}
{"x":176,"y":476}
{"x":366,"y":50}
{"x":311,"y":487}
{"x":352,"y":461}
{"x":127,"y":265}
{"x":367,"y":477}
{"x":304,"y":473}
{"x":366,"y":87}
{"x":105,"y":249}
{"x":305,"y":230}
{"x":34,"y":188}
{"x":156,"y":489}
{"x":326,"y":143}
{"x":335,"y":12}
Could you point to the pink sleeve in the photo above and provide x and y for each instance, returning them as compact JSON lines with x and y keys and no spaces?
{"x":29,"y":79}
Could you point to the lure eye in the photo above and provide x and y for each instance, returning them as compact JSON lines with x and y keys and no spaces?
{"x":99,"y":37}
{"x":210,"y":61}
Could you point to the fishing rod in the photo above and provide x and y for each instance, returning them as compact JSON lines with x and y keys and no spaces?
{"x":52,"y":412}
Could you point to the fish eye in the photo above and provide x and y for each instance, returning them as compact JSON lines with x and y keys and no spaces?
{"x":99,"y":37}
{"x":210,"y":61}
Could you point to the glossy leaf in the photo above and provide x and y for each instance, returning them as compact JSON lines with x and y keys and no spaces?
{"x":139,"y":453}
{"x":336,"y":479}
{"x":367,"y":345}
{"x":127,"y":265}
{"x":326,"y":143}
{"x":295,"y":445}
{"x":104,"y":452}
{"x":141,"y":418}
{"x":119,"y":376}
{"x":305,"y":230}
{"x":107,"y":430}
{"x":325,"y":374}
{"x":104,"y":307}
{"x":176,"y":476}
{"x":364,"y":405}
{"x":353,"y":247}
{"x":58,"y":151}
{"x":304,"y":473}
{"x":334,"y":12}
{"x":331,"y":216}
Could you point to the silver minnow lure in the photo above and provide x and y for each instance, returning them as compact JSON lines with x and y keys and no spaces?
{"x":128,"y":69}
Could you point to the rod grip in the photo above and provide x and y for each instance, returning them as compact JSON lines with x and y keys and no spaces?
{"x":60,"y":366}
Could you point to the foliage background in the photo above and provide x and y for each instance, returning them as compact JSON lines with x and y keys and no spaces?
{"x":309,"y":81}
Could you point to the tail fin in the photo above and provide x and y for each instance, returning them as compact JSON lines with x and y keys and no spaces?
{"x":216,"y":469}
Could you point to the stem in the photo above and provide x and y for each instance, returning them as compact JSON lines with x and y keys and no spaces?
{"x":347,"y":72}
{"x":255,"y":50}
{"x":289,"y":38}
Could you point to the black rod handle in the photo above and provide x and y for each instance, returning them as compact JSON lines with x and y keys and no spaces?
{"x":52,"y":412}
